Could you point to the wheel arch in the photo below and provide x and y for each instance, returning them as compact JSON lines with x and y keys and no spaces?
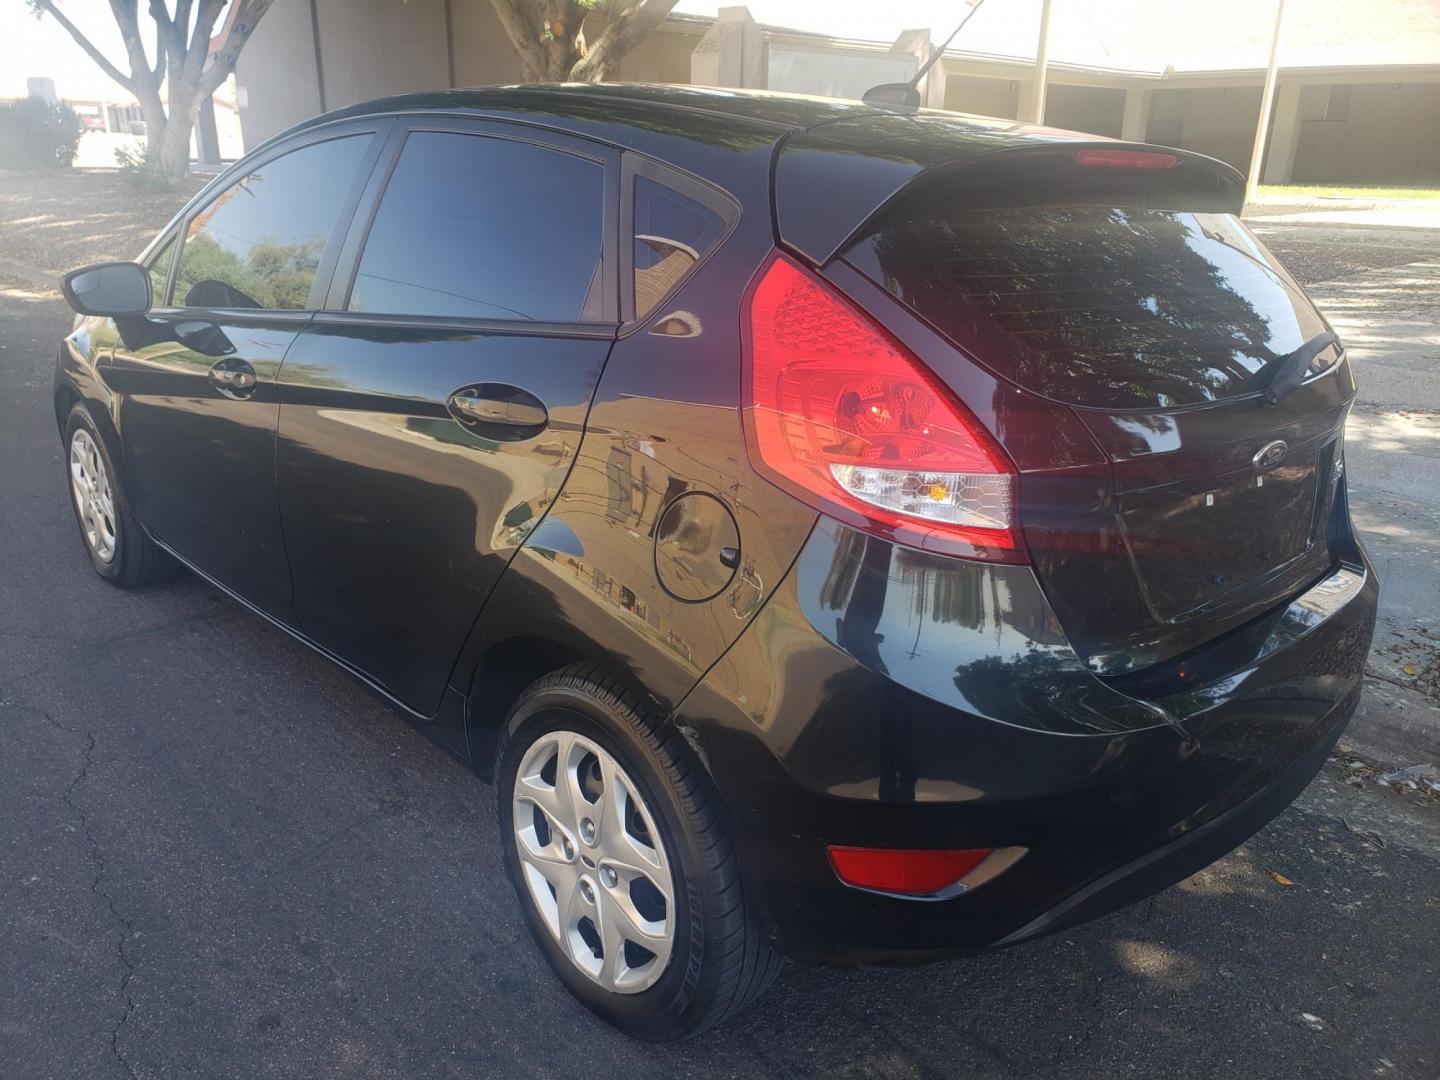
{"x":66,"y":398}
{"x":509,"y":667}
{"x":501,"y":675}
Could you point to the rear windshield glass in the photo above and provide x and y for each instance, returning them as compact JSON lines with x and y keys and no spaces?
{"x":1107,"y":307}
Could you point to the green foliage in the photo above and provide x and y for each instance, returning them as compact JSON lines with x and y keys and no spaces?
{"x":34,"y":134}
{"x":270,"y":275}
{"x":287,"y":270}
{"x":139,"y":172}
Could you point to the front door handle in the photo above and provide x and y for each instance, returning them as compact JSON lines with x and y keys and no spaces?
{"x":234,"y":378}
{"x":499,"y":410}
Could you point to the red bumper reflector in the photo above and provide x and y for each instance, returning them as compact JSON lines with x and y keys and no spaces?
{"x":1125,"y":159}
{"x":893,"y":870}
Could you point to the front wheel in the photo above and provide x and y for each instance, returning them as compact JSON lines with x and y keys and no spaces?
{"x":119,"y":550}
{"x":615,"y":845}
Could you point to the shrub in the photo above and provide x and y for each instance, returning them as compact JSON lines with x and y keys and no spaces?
{"x":35,"y":134}
{"x":137,"y":172}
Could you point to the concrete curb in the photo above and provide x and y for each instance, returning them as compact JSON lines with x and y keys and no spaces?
{"x":31,"y":275}
{"x":1395,"y":726}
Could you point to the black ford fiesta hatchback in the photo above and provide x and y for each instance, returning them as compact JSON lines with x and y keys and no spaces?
{"x":852,"y":535}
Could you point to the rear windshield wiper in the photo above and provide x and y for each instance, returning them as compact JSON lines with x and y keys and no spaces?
{"x":1290,"y":369}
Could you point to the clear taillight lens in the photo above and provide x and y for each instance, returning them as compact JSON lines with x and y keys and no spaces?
{"x":843,"y":416}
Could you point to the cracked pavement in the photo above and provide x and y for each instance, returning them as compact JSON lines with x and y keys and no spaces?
{"x":221,"y":857}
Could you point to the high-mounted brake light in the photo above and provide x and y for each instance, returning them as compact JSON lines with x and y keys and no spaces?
{"x":1125,"y":159}
{"x":842,"y":416}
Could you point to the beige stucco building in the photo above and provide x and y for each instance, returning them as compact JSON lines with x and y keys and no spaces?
{"x":1358,"y":98}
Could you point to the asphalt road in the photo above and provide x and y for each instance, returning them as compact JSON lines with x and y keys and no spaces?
{"x":221,"y":857}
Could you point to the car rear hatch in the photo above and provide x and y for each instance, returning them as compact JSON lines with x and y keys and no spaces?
{"x":1116,"y":282}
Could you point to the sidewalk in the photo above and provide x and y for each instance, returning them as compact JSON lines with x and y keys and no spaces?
{"x":1390,"y":322}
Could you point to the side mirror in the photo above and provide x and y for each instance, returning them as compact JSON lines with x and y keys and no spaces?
{"x":112,"y":288}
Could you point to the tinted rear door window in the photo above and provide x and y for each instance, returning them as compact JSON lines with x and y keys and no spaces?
{"x":488,"y":228}
{"x":1095,"y":305}
{"x":258,"y":243}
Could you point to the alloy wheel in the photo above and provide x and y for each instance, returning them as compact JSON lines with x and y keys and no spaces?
{"x":593,"y":861}
{"x":94,"y":501}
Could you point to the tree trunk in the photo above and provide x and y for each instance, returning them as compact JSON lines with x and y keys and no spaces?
{"x":173,"y":158}
{"x":182,"y":53}
{"x":155,"y":124}
{"x":167,"y":151}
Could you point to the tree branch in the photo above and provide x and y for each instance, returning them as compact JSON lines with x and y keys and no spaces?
{"x":565,"y":21}
{"x":142,"y":80}
{"x":247,"y":15}
{"x":169,"y":45}
{"x":621,"y":34}
{"x":197,"y":40}
{"x":524,"y":35}
{"x":84,"y":42}
{"x":161,"y":57}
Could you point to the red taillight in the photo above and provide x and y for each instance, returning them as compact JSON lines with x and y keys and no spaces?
{"x":1125,"y":159}
{"x":913,"y":873}
{"x":842,"y":416}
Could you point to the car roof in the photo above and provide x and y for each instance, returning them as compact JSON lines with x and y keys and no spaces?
{"x":706,"y":114}
{"x":577,"y":101}
{"x":731,"y":137}
{"x":672,"y":122}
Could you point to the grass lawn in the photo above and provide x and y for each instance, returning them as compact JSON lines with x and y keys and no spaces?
{"x":1281,"y":192}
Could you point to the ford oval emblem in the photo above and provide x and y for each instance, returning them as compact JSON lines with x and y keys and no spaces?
{"x":1270,"y":455}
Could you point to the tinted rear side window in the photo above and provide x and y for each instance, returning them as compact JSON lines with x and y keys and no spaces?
{"x":478,"y":227}
{"x":672,"y":234}
{"x":1103,"y":306}
{"x":258,"y":243}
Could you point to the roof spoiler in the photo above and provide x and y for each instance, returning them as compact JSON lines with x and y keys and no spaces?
{"x":881,"y":155}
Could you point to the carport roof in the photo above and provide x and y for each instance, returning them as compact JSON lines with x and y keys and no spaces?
{"x":1227,"y":35}
{"x":1148,"y":37}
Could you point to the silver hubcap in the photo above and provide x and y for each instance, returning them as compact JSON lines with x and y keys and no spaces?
{"x":90,"y":485}
{"x":592,"y":859}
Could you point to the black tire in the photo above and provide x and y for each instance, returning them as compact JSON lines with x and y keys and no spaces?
{"x":721,"y":960}
{"x":137,"y":560}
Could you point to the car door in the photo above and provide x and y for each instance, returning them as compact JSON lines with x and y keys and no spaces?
{"x":195,"y":379}
{"x":430,"y":414}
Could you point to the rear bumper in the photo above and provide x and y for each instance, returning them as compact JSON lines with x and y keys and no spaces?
{"x":1191,"y":852}
{"x":892,"y":699}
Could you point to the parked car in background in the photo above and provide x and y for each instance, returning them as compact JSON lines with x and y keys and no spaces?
{"x":843,"y":533}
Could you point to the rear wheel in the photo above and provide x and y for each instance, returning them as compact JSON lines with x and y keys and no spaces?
{"x":617,"y":852}
{"x":118,"y":548}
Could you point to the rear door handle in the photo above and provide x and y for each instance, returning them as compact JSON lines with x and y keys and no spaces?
{"x":234,"y":378}
{"x":498,"y":407}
